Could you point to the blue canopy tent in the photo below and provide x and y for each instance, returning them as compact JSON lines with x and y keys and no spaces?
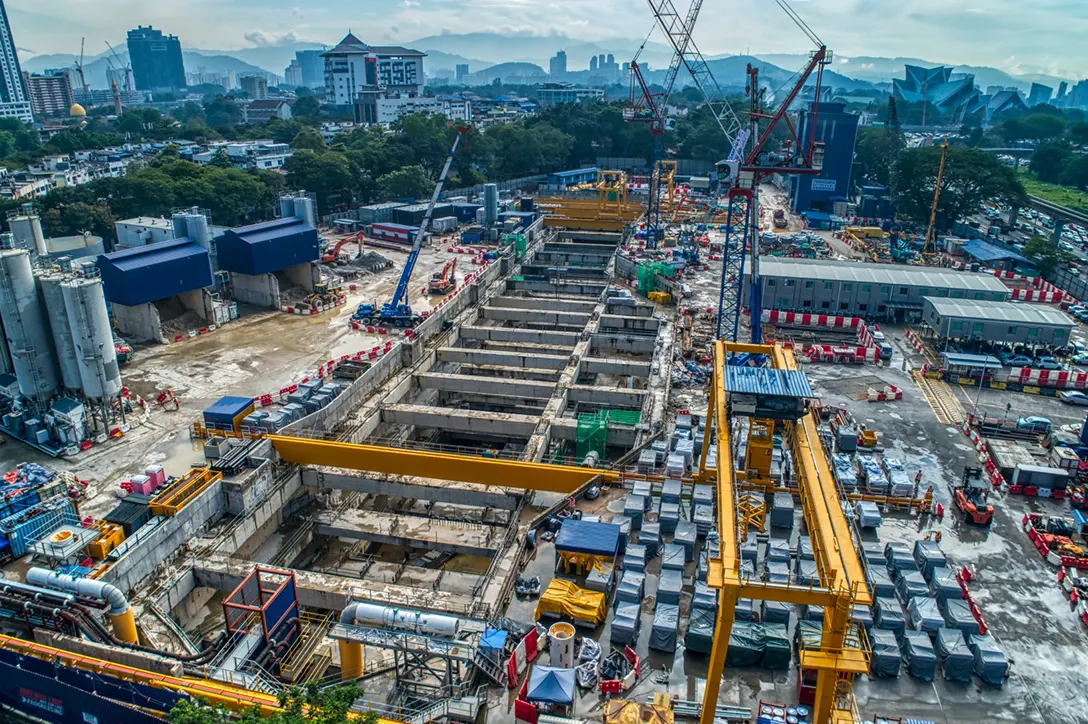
{"x":492,"y":643}
{"x":551,"y":685}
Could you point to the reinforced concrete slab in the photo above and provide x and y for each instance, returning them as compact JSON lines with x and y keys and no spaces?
{"x":452,"y":492}
{"x":465,"y":421}
{"x":522,"y":336}
{"x":640,"y":324}
{"x":547,"y":303}
{"x":505,"y":372}
{"x":535,"y":316}
{"x":607,"y":396}
{"x":410,"y":531}
{"x":639,"y":344}
{"x":472,"y":383}
{"x":505,"y":359}
{"x":331,"y":592}
{"x":588,"y":289}
{"x":615,"y":366}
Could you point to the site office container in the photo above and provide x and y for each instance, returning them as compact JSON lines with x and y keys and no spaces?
{"x":394,"y":232}
{"x":228,"y":413}
{"x":1040,"y":476}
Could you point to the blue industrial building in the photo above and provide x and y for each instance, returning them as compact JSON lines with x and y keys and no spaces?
{"x":576,"y":177}
{"x":268,"y":247}
{"x":157,"y":271}
{"x":838,"y":131}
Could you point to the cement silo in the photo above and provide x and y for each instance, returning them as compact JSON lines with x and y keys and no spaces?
{"x":85,"y":301}
{"x":491,"y":205}
{"x":62,"y":333}
{"x":304,"y":209}
{"x":26,"y":227}
{"x":29,"y":340}
{"x":287,"y":207}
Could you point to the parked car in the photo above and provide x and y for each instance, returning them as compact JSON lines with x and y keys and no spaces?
{"x":1081,"y":359}
{"x":1073,"y":397}
{"x":1047,"y":363}
{"x":1016,"y":360}
{"x":1034,"y":423}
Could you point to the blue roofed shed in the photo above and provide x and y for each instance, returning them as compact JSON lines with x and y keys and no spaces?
{"x":595,"y":539}
{"x":227,"y":412}
{"x":153,"y":272}
{"x":984,"y":251}
{"x":267,"y":247}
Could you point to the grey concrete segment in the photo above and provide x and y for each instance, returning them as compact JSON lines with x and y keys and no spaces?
{"x":640,"y":344}
{"x":459,"y":494}
{"x":615,"y":366}
{"x":535,"y":316}
{"x":505,"y":359}
{"x":470,"y":421}
{"x":572,"y":257}
{"x":480,"y":385}
{"x":607,"y":396}
{"x":589,"y":289}
{"x":547,"y":303}
{"x":526,"y":336}
{"x":640,"y":324}
{"x":506,"y":372}
{"x":630,"y":310}
{"x":330,"y":592}
{"x":531,"y":406}
{"x":410,"y":531}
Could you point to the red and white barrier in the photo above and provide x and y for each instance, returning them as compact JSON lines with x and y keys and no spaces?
{"x":996,"y":478}
{"x":523,"y":653}
{"x":915,"y":341}
{"x":889,"y":393}
{"x":807,"y":319}
{"x":1062,"y":379}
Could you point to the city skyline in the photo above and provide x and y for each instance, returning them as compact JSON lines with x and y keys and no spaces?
{"x":997,"y":33}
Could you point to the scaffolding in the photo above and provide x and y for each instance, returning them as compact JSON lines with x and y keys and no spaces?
{"x":649,"y":273}
{"x":592,"y":431}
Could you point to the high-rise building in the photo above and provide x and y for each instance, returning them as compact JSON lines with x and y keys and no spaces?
{"x":1039,"y":94}
{"x":1062,"y":88}
{"x":156,"y":60}
{"x":593,"y":64}
{"x":557,"y":66}
{"x":48,"y":94}
{"x":601,"y":62}
{"x":13,"y":94}
{"x":313,"y":67}
{"x":254,"y":86}
{"x":611,"y":60}
{"x":354,"y":68}
{"x":461,"y":72}
{"x":292,"y":74}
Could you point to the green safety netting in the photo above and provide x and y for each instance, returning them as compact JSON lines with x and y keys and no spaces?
{"x":648,"y":274}
{"x":519,"y":244}
{"x":592,"y":430}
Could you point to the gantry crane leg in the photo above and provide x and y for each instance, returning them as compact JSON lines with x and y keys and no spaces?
{"x":727,"y":608}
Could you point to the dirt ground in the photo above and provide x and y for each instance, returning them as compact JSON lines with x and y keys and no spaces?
{"x":260,"y":353}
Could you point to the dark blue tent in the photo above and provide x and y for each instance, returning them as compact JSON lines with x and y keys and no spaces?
{"x":551,"y":685}
{"x":597,"y":539}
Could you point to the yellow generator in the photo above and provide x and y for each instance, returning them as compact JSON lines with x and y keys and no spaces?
{"x":660,"y":297}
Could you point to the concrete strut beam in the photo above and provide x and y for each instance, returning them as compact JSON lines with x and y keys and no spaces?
{"x":535,"y":316}
{"x":640,"y":344}
{"x":483,"y":385}
{"x":330,"y":592}
{"x":516,"y":373}
{"x":560,"y":305}
{"x":566,"y":429}
{"x":464,"y":421}
{"x":572,"y":257}
{"x":607,"y":396}
{"x":462,"y":494}
{"x":522,"y":336}
{"x":562,"y":288}
{"x":409,"y":531}
{"x":615,"y":366}
{"x":640,"y":324}
{"x":505,"y":359}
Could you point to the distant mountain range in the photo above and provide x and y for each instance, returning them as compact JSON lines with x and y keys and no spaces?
{"x":500,"y":55}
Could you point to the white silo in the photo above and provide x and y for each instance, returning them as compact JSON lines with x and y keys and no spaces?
{"x":25,"y":326}
{"x":491,"y":205}
{"x":89,"y":321}
{"x":181,"y":229}
{"x":62,"y":333}
{"x":304,"y":209}
{"x":197,"y":225}
{"x":27,"y":230}
{"x":287,"y":207}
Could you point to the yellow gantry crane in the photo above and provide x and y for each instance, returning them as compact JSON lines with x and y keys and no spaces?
{"x":930,"y":247}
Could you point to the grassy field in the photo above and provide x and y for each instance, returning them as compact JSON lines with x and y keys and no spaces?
{"x":1055,"y":194}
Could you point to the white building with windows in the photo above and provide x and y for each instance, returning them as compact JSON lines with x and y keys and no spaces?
{"x":354,"y":68}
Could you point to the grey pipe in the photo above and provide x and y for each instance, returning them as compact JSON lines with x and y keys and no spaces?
{"x":80,"y":586}
{"x":26,"y":589}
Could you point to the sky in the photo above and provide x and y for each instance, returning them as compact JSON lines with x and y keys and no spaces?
{"x":1043,"y":36}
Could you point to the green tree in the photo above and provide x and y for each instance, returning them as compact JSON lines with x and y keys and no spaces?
{"x":1049,"y":159}
{"x":1046,"y":254}
{"x":875,"y":153}
{"x":26,"y":138}
{"x":222,"y":111}
{"x":189,"y":111}
{"x":306,"y":106}
{"x":221,"y":159}
{"x":308,"y":139}
{"x":329,"y":175}
{"x":7,"y":144}
{"x":1078,"y":133}
{"x":970,"y":178}
{"x":299,"y":705}
{"x":409,"y":182}
{"x":140,"y":121}
{"x":75,"y":218}
{"x":1075,"y":172}
{"x":1043,"y":127}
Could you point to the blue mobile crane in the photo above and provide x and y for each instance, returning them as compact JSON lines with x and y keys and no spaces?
{"x":397,"y":312}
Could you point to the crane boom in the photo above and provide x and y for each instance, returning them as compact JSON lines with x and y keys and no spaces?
{"x":929,"y":248}
{"x":406,"y":275}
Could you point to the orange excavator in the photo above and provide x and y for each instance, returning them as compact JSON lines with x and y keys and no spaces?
{"x":333,"y":256}
{"x":444,"y":281}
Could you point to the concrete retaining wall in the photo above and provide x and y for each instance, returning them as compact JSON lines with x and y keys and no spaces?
{"x":138,"y":324}
{"x":261,"y":291}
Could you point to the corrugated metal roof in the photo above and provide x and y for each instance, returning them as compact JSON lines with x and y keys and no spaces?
{"x":765,"y":381}
{"x":582,"y":536}
{"x":972,"y":360}
{"x":852,"y":271}
{"x":1013,"y":312}
{"x":152,"y":254}
{"x":256,"y":233}
{"x":575,"y":172}
{"x":985,"y":251}
{"x":226,"y":409}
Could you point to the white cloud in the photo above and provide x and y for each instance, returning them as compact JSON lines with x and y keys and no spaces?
{"x":263,"y":38}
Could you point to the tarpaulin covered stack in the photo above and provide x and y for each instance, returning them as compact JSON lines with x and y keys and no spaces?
{"x":776,"y":647}
{"x":643,"y":489}
{"x":702,"y":495}
{"x":872,"y":553}
{"x":669,"y":586}
{"x":910,"y":584}
{"x":625,"y":623}
{"x":807,"y":574}
{"x":956,"y":660}
{"x":957,"y":615}
{"x":673,"y":557}
{"x":889,"y":616}
{"x":666,"y":623}
{"x":880,"y":582}
{"x":943,"y":584}
{"x":650,"y":536}
{"x":632,"y":587}
{"x":919,"y":655}
{"x":745,"y":609}
{"x":844,"y":472}
{"x":700,"y":635}
{"x":804,"y":549}
{"x":703,"y":518}
{"x":775,"y":611}
{"x":601,"y":577}
{"x":897,"y":556}
{"x":745,"y":644}
{"x":670,"y":491}
{"x":928,"y":556}
{"x":875,"y":480}
{"x":900,"y":484}
{"x":633,"y":508}
{"x":668,"y":516}
{"x":990,"y":662}
{"x":687,"y":535}
{"x":581,"y":544}
{"x":886,"y":654}
{"x":782,"y":510}
{"x":635,"y":558}
{"x":566,"y":600}
{"x":624,"y":524}
{"x":925,"y":615}
{"x":868,"y":514}
{"x":778,"y":550}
